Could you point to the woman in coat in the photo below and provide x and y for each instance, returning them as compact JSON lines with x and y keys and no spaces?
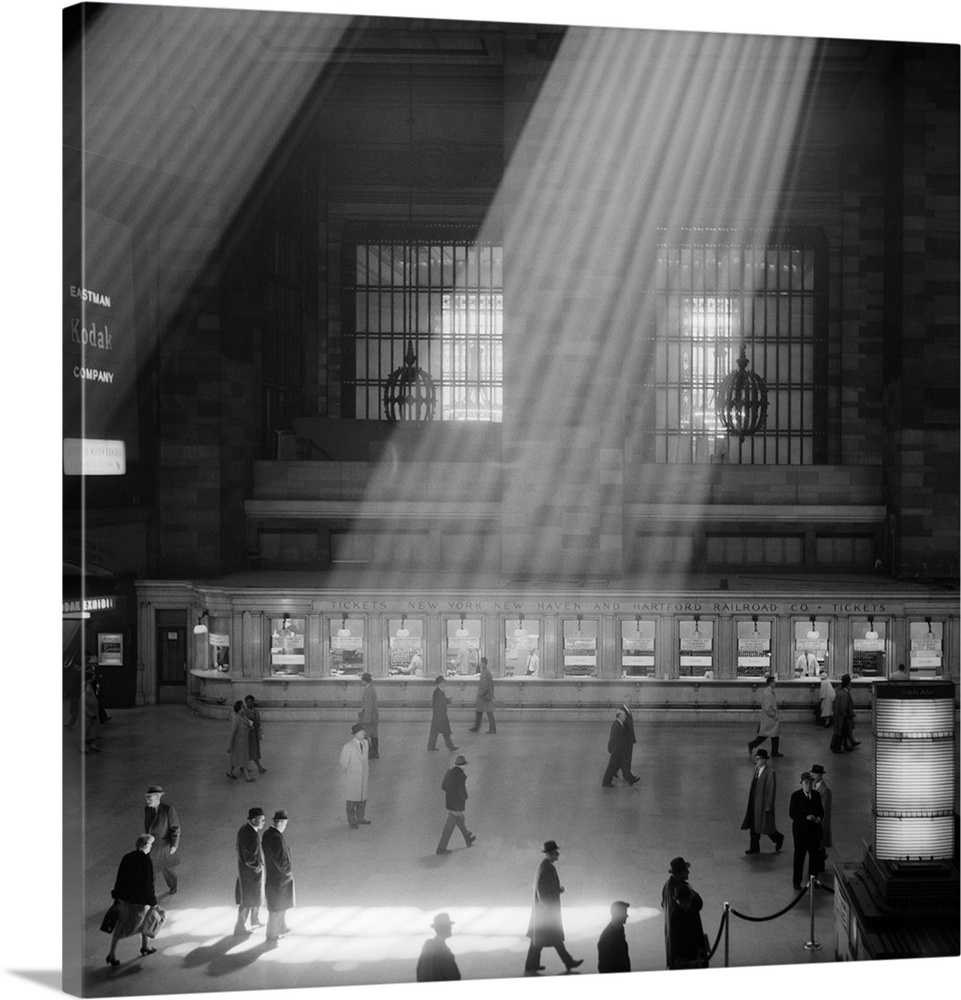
{"x":134,"y":893}
{"x":827,"y":699}
{"x":239,"y":746}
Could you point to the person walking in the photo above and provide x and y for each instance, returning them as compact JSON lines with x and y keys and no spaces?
{"x":619,"y":747}
{"x":769,"y":724}
{"x":439,"y":722}
{"x":612,"y":951}
{"x":826,"y":696}
{"x":454,"y":786}
{"x":436,"y":962}
{"x":369,"y":715}
{"x":759,"y":817}
{"x":485,"y":699}
{"x":353,"y":762}
{"x":160,"y":820}
{"x":546,"y":928}
{"x":256,"y":732}
{"x":805,"y":811}
{"x":134,"y":894}
{"x":91,"y":715}
{"x":278,"y":878}
{"x":249,"y":890}
{"x":239,"y":745}
{"x":821,"y":787}
{"x":678,"y":876}
{"x":843,"y":738}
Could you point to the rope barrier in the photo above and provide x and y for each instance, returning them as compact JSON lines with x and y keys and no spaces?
{"x":717,"y":940}
{"x":773,"y":916}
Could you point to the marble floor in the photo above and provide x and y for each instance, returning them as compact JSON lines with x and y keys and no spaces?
{"x":366,"y":897}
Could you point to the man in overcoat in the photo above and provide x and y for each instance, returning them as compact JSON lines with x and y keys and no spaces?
{"x":278,"y":878}
{"x":369,"y":715}
{"x":759,"y":817}
{"x":678,"y":875}
{"x":454,"y":786}
{"x":769,"y":724}
{"x":160,"y":820}
{"x":843,"y":738}
{"x":821,"y":787}
{"x":619,"y":747}
{"x":612,"y":951}
{"x":805,"y":811}
{"x":439,"y":723}
{"x":249,"y":892}
{"x":436,"y":962}
{"x":546,"y":928}
{"x":485,"y":699}
{"x":353,"y":763}
{"x":256,"y":731}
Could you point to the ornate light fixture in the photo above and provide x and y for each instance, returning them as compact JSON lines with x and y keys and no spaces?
{"x":409,"y":393}
{"x":813,"y":632}
{"x":403,"y":632}
{"x":520,"y":631}
{"x":343,"y":632}
{"x":741,"y":400}
{"x":201,"y":628}
{"x":461,"y":632}
{"x":871,"y":632}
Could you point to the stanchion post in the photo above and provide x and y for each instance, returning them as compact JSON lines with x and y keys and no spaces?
{"x":812,"y":944}
{"x":727,"y":933}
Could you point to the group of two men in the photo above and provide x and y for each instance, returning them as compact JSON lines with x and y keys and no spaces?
{"x":264,"y":868}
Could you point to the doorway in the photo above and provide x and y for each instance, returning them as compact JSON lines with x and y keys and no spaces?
{"x":172,"y":661}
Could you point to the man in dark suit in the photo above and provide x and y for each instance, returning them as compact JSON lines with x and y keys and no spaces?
{"x":278,"y":878}
{"x":612,"y":953}
{"x":759,"y":817}
{"x":485,"y":699}
{"x":160,"y":820}
{"x":546,"y":929}
{"x":249,"y":893}
{"x":619,"y":747}
{"x":806,"y":811}
{"x":439,"y":723}
{"x":454,"y":786}
{"x":437,"y":963}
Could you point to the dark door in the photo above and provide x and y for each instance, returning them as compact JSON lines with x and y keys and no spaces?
{"x":171,"y":663}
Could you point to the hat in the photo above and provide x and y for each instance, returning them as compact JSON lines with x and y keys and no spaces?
{"x":281,"y":814}
{"x":442,"y":920}
{"x":807,"y":776}
{"x":549,"y":845}
{"x":679,"y":865}
{"x":439,"y":679}
{"x":365,"y":678}
{"x":619,"y":904}
{"x":761,"y":753}
{"x":460,"y":760}
{"x":357,"y":726}
{"x":155,"y":788}
{"x":255,"y":812}
{"x":817,"y":769}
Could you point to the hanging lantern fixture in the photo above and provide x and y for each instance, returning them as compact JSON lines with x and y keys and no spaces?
{"x":741,"y":400}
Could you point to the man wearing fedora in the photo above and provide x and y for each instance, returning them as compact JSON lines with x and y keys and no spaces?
{"x":821,"y":787}
{"x":678,"y":875}
{"x":436,"y":963}
{"x":612,"y":952}
{"x":805,"y":811}
{"x":546,"y":929}
{"x":759,"y":817}
{"x":454,"y":786}
{"x":439,"y":722}
{"x":353,"y":762}
{"x":249,"y":891}
{"x":278,"y":879}
{"x":160,"y":820}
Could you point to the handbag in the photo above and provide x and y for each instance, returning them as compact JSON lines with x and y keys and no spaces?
{"x":153,"y":920}
{"x":110,"y":918}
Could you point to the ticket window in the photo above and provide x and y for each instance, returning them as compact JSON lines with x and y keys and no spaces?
{"x":347,"y":646}
{"x":405,"y":647}
{"x":926,"y":649}
{"x":287,"y":646}
{"x":811,"y":647}
{"x":696,"y":639}
{"x":580,"y":647}
{"x":463,"y":646}
{"x":754,"y":648}
{"x":219,"y":652}
{"x":867,"y":656}
{"x":522,"y":647}
{"x":637,"y":648}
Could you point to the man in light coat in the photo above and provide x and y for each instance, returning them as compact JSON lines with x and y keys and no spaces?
{"x":826,"y":696}
{"x":546,"y":929}
{"x":353,"y":762}
{"x":160,"y":820}
{"x":279,"y":879}
{"x":485,"y":699}
{"x":759,"y":817}
{"x":369,"y":714}
{"x":821,"y":787}
{"x":439,"y":722}
{"x":769,"y":725}
{"x":249,"y":892}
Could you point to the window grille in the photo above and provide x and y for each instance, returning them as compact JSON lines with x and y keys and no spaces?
{"x":438,"y":287}
{"x":714,"y":292}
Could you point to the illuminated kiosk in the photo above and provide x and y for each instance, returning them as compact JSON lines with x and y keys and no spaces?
{"x":901,"y":901}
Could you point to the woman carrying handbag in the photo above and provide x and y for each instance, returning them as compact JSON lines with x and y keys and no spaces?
{"x":134,"y":895}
